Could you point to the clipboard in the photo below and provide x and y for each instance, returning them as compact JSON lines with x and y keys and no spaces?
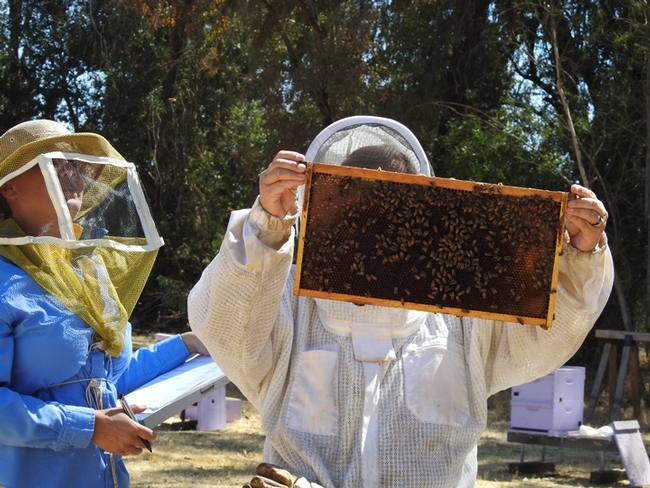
{"x":173,"y":391}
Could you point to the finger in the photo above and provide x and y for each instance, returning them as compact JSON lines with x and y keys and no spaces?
{"x":587,"y":215}
{"x":586,"y":228}
{"x":289,"y":159}
{"x":283,"y":170}
{"x":136,"y":431}
{"x":276,"y":473}
{"x":282,"y":179}
{"x":261,"y":482}
{"x":593,"y":213}
{"x":290,"y":156}
{"x":138,"y":408}
{"x":145,"y":433}
{"x":582,"y":191}
{"x":134,"y":450}
{"x":587,"y":203}
{"x":587,"y":207}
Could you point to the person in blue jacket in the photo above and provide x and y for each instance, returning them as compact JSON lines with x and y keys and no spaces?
{"x":65,"y":339}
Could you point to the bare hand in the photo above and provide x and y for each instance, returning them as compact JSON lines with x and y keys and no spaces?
{"x":193,"y":344}
{"x":586,"y":219}
{"x":280,"y":181}
{"x":115,"y":432}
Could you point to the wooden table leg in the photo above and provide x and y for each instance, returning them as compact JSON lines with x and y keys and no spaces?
{"x":634,"y":380}
{"x":611,"y":380}
{"x":595,"y":391}
{"x":620,"y":382}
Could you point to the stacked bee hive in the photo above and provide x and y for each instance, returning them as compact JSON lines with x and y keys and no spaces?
{"x":434,"y":244}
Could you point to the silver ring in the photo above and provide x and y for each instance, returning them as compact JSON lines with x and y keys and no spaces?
{"x":599,"y":222}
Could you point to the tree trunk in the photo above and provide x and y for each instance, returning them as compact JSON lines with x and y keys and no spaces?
{"x":647,"y":192}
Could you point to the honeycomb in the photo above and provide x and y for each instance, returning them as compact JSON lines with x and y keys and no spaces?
{"x":434,"y":244}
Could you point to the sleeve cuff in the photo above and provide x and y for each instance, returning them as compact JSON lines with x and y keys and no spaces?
{"x":171,"y":352}
{"x":575,"y":253}
{"x":78,"y":427}
{"x":273,"y":231}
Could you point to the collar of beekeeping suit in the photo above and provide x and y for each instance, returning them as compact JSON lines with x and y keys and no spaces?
{"x":101,"y":252}
{"x":342,"y":317}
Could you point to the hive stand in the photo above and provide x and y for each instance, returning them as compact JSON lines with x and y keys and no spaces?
{"x":609,"y":356}
{"x":626,"y":439}
{"x":601,"y":445}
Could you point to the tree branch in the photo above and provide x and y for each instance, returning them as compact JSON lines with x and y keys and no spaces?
{"x":565,"y":105}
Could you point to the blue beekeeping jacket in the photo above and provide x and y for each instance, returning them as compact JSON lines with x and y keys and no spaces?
{"x":46,"y":362}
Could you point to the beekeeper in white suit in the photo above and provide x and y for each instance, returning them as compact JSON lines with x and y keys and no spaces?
{"x":370,"y":396}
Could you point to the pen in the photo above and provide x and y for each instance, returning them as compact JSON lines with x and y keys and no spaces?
{"x":129,"y":412}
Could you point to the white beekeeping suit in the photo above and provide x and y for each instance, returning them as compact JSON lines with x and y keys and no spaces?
{"x":371,"y":396}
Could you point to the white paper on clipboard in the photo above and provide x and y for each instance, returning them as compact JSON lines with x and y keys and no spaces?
{"x":175,"y":390}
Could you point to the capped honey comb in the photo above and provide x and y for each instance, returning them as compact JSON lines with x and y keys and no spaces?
{"x":433,"y":244}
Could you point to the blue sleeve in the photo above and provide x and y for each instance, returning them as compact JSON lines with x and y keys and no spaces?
{"x":149,"y":362}
{"x":31,"y":422}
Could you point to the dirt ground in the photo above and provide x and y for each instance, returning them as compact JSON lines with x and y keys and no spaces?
{"x":188,"y":458}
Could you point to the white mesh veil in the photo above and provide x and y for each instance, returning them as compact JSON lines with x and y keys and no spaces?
{"x":337,"y":141}
{"x":340,"y":139}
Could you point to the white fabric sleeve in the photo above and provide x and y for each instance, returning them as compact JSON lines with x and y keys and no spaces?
{"x":513,"y":354}
{"x":236,"y":303}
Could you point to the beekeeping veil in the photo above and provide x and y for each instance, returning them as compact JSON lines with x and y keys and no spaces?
{"x":94,"y":241}
{"x":341,"y":141}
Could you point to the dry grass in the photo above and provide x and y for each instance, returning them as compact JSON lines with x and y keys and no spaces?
{"x":190,"y":458}
{"x":228,"y":458}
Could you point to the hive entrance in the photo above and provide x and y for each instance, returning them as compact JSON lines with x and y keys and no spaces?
{"x":430,"y":244}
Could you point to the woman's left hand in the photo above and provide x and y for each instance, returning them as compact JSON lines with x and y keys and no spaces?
{"x":586,"y":219}
{"x":193,"y":344}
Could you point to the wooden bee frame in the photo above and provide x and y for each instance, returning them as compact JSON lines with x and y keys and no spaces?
{"x":433,"y":244}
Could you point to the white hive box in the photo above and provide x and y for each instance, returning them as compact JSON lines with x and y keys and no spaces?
{"x":553,"y":404}
{"x":554,"y":419}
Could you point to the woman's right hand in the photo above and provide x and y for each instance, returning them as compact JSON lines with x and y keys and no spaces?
{"x":115,"y":432}
{"x":280,"y":181}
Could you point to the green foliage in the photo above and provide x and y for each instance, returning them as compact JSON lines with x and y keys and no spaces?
{"x":474,"y":145}
{"x":174,"y":294}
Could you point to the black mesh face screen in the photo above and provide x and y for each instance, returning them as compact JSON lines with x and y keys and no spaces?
{"x":430,"y":244}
